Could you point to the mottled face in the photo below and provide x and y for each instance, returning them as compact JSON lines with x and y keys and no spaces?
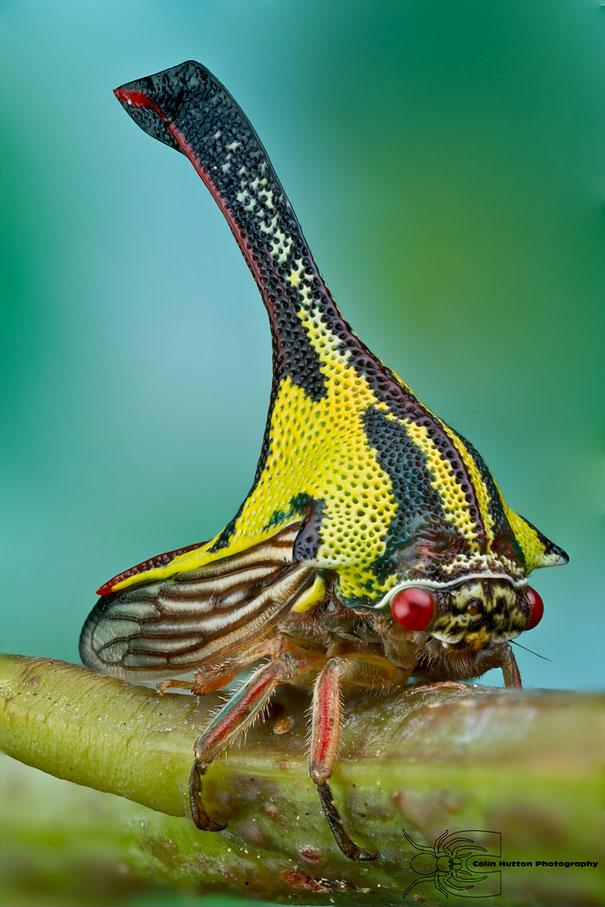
{"x":479,"y":612}
{"x":471,"y":614}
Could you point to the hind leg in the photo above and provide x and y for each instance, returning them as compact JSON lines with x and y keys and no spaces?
{"x":238,"y":714}
{"x":215,"y":677}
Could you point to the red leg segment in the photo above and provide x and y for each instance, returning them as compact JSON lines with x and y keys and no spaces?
{"x":327,"y":714}
{"x":235,"y":716}
{"x":369,"y":671}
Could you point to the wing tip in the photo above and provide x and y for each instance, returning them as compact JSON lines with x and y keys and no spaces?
{"x":141,"y":570}
{"x":105,"y":589}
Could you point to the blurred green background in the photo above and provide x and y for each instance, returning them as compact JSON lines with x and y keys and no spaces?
{"x":447,"y":163}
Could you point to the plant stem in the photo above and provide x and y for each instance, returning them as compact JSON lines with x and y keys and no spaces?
{"x":525,"y":764}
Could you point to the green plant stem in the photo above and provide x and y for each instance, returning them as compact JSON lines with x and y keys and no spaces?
{"x":430,"y":758}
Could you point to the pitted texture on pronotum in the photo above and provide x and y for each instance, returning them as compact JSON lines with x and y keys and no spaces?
{"x":361,"y":496}
{"x":383,"y":487}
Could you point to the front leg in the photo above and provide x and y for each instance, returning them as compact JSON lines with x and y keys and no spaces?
{"x":510,"y":669}
{"x":497,"y":657}
{"x":501,"y":657}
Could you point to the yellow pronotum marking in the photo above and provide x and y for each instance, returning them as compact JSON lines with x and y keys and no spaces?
{"x":318,"y":448}
{"x":481,"y":492}
{"x":533,"y":550}
{"x":312,"y":596}
{"x":455,"y":507}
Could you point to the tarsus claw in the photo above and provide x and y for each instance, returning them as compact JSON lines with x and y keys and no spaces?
{"x":350,"y":850}
{"x":199,"y":815}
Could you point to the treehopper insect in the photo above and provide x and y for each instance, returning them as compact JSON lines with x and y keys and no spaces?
{"x":374,"y":546}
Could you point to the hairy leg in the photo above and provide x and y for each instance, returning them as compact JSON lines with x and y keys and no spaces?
{"x":238,"y":714}
{"x":369,"y":671}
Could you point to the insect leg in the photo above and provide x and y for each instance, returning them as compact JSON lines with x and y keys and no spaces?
{"x":510,"y":669}
{"x":236,"y":715}
{"x":327,"y":716}
{"x":203,"y":681}
{"x":215,"y":677}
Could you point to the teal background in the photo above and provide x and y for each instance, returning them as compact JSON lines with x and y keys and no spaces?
{"x":447,"y":163}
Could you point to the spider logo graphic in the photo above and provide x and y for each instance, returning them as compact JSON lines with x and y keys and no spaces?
{"x":449,"y":863}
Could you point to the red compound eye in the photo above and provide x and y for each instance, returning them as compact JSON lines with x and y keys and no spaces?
{"x":413,"y":608}
{"x":536,"y":608}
